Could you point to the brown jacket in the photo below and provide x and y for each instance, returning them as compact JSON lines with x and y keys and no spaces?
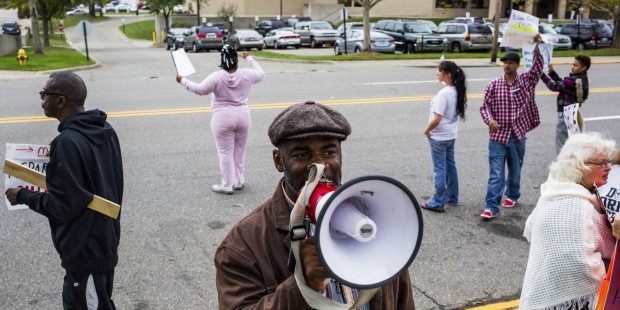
{"x":251,"y":265}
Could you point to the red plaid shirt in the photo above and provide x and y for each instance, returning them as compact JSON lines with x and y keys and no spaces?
{"x":513,"y":106}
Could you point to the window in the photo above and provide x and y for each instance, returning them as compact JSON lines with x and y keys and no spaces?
{"x":461,"y":4}
{"x":398,"y":27}
{"x":389,"y":26}
{"x":349,"y":3}
{"x":442,"y":29}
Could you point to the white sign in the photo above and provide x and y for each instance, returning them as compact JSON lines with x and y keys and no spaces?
{"x":32,"y":156}
{"x":546,"y":50}
{"x":84,"y":27}
{"x":521,"y":28}
{"x":610,"y":193}
{"x":182,"y":63}
{"x":570,"y":118}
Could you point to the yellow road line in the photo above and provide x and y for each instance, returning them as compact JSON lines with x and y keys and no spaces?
{"x":498,"y":306}
{"x":34,"y":119}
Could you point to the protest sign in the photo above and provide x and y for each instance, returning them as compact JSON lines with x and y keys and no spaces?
{"x":33,"y":156}
{"x":546,"y":50}
{"x":521,"y":28}
{"x":570,"y":118}
{"x":610,"y":193}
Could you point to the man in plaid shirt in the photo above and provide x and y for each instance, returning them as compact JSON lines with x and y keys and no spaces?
{"x":510,"y":111}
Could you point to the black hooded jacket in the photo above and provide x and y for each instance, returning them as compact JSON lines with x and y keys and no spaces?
{"x":85,"y":161}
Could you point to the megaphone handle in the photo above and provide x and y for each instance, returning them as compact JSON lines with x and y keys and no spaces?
{"x":315,"y":299}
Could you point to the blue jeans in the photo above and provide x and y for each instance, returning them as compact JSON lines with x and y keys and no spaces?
{"x":500,"y":155}
{"x":444,"y":174}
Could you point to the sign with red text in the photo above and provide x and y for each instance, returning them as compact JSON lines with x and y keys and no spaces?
{"x":30,"y":155}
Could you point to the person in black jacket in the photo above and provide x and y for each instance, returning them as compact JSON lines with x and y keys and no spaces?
{"x":85,"y":160}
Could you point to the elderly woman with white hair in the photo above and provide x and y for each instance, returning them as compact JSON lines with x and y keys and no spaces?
{"x":568,"y":230}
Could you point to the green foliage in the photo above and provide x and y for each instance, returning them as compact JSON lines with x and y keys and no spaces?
{"x":54,"y":58}
{"x":181,"y":25}
{"x":142,"y":30}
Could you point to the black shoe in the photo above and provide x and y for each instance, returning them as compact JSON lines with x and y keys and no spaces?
{"x":435,"y":209}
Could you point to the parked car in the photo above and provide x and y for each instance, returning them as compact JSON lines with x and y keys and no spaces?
{"x":175,"y":38}
{"x":77,"y":12}
{"x":223,"y":29}
{"x":429,"y":23}
{"x":379,"y":43}
{"x":588,"y":35}
{"x":350,"y":26}
{"x":122,"y":7}
{"x":177,"y":9}
{"x":203,"y":38}
{"x":465,"y":37}
{"x":550,"y":36}
{"x":268,"y":25}
{"x":11,"y":29}
{"x":412,"y":37}
{"x":282,"y":39}
{"x":465,"y":20}
{"x":294,"y":20}
{"x":109,"y":8}
{"x":246,"y":39}
{"x":316,"y":33}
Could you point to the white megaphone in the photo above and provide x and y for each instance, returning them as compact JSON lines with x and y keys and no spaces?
{"x":368,"y":231}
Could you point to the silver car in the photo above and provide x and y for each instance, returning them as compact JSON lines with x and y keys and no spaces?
{"x":245,"y":39}
{"x":379,"y":43}
{"x":464,"y":37}
{"x":316,"y":33}
{"x":282,"y":39}
{"x":550,"y":36}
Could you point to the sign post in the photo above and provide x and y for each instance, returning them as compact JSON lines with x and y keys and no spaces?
{"x":85,"y":28}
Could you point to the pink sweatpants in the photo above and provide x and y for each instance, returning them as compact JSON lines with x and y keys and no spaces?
{"x":230,"y":126}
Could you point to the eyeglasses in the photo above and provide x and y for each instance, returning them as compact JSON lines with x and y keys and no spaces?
{"x":604,"y":164}
{"x":44,"y":93}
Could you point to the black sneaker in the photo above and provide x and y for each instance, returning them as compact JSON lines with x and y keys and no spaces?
{"x":435,"y":209}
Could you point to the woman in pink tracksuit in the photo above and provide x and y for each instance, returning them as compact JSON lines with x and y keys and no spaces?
{"x":230,"y":122}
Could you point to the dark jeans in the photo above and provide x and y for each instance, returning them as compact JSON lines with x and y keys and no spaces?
{"x":88,"y":291}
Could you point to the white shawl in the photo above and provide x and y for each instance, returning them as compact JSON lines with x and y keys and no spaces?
{"x":564,"y":268}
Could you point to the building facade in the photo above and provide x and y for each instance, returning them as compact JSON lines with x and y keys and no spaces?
{"x":330,"y":9}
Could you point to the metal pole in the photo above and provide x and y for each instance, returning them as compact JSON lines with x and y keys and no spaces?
{"x":344,"y":22}
{"x":281,"y":16}
{"x":85,"y":40}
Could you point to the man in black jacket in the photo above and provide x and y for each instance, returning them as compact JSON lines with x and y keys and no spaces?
{"x":85,"y":160}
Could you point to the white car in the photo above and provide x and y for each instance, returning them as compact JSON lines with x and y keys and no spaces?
{"x":77,"y":12}
{"x":109,"y":8}
{"x":281,"y":39}
{"x":550,"y":36}
{"x":177,"y":9}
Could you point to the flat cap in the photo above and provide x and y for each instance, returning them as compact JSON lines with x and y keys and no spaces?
{"x":306,"y":120}
{"x":511,"y":56}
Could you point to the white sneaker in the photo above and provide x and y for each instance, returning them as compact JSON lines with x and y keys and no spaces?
{"x":238,"y":187}
{"x":222,"y":189}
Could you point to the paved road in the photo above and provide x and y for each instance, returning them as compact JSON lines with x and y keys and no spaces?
{"x":172,"y":223}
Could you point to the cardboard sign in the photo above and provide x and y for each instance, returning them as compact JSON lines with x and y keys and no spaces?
{"x":570,"y":118}
{"x":33,"y":156}
{"x":546,"y":50}
{"x":609,"y":295}
{"x":610,"y":193}
{"x":521,"y":28}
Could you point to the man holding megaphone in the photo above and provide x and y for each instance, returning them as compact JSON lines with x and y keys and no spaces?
{"x":254,"y":263}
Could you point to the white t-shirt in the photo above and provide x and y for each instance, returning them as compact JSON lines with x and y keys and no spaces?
{"x":444,"y":104}
{"x":610,"y":192}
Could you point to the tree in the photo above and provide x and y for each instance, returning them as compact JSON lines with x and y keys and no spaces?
{"x":367,"y":5}
{"x":612,"y":7}
{"x":226,"y":12}
{"x":206,"y":2}
{"x":34,"y":24}
{"x":47,"y":9}
{"x":164,"y":7}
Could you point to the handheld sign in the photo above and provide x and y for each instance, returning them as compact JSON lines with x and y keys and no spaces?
{"x":521,"y":27}
{"x":34,"y":156}
{"x":98,"y":204}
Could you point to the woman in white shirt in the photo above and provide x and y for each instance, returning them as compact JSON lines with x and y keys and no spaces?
{"x":568,"y":231}
{"x":446,"y":107}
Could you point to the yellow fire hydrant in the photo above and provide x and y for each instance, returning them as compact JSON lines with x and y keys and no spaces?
{"x":21,"y":56}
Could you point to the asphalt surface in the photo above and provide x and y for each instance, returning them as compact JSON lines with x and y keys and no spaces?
{"x":172,"y":222}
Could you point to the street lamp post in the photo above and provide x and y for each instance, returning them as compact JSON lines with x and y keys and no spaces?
{"x":579,"y":26}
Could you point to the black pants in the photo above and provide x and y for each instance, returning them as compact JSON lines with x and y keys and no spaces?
{"x":88,"y":291}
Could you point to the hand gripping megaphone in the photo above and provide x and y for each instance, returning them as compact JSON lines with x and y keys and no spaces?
{"x":368,"y":231}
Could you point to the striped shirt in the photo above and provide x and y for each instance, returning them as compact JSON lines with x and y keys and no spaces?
{"x":513,"y":106}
